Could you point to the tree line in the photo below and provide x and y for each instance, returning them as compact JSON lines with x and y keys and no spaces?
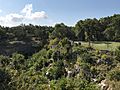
{"x":103,"y":29}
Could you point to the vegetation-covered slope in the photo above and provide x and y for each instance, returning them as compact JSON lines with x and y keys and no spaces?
{"x":53,"y":58}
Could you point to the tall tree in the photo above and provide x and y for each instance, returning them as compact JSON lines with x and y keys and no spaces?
{"x":61,"y":31}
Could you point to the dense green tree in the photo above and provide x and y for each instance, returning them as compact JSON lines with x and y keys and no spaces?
{"x":88,"y":30}
{"x":61,"y":31}
{"x":5,"y":79}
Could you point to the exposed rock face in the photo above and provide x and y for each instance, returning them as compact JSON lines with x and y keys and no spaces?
{"x":72,"y":72}
{"x":94,"y":80}
{"x":100,"y":61}
{"x":69,"y":73}
{"x":104,"y":85}
{"x":77,"y":43}
{"x":76,"y":69}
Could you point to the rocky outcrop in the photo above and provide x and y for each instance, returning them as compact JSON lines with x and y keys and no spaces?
{"x":104,"y":85}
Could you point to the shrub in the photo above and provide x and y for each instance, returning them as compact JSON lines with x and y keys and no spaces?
{"x":114,"y":75}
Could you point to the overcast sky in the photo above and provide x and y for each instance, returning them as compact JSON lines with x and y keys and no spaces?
{"x":49,"y":12}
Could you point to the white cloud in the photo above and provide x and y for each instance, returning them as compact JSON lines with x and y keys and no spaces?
{"x":27,"y":10}
{"x":32,"y":16}
{"x":16,"y":17}
{"x":26,"y":14}
{"x":0,"y":10}
{"x":38,"y":15}
{"x":11,"y":19}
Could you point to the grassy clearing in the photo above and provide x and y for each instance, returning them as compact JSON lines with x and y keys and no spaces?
{"x":102,"y":45}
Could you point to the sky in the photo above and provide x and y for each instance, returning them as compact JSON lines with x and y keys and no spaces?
{"x":50,"y":12}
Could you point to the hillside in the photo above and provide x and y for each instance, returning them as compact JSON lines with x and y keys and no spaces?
{"x":83,"y":57}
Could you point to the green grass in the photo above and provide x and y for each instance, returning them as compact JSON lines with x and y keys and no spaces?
{"x":103,"y":45}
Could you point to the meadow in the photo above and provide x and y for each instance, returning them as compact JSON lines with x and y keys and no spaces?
{"x":103,"y":45}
